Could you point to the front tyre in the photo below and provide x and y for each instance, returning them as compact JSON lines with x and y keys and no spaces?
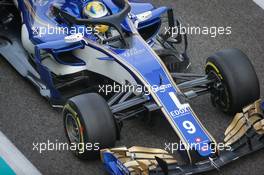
{"x":236,"y":84}
{"x":89,"y":125}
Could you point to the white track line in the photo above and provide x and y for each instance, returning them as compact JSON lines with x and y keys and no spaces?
{"x":260,"y":3}
{"x":15,"y":159}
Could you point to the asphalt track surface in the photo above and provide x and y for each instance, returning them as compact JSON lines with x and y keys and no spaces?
{"x":25,"y":117}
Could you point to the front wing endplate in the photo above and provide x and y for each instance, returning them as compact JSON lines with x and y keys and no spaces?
{"x":135,"y":160}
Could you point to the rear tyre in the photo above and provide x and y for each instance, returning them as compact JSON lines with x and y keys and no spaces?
{"x":89,"y":124}
{"x":236,"y":84}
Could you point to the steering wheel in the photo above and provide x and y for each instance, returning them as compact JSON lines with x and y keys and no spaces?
{"x":113,"y":20}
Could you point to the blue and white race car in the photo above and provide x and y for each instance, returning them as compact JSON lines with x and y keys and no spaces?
{"x":107,"y":61}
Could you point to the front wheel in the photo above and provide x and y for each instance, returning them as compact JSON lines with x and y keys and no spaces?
{"x":236,"y":83}
{"x":89,"y":125}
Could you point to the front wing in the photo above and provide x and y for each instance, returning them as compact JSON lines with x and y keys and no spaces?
{"x":244,"y":135}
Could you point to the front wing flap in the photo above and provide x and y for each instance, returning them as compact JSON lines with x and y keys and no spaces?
{"x":244,"y":135}
{"x":135,"y":160}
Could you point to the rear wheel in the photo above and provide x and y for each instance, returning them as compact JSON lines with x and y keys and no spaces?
{"x":89,"y":125}
{"x":236,"y":82}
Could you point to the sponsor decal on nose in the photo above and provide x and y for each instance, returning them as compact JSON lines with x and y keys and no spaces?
{"x":198,"y":140}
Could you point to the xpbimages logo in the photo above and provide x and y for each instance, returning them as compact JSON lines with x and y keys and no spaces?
{"x":212,"y":31}
{"x":56,"y":30}
{"x":42,"y":147}
{"x":203,"y":145}
{"x":117,"y":88}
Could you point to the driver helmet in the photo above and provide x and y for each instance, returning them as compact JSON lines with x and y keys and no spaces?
{"x":96,"y":9}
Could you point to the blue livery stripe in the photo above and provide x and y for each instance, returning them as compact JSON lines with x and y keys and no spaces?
{"x":184,"y":119}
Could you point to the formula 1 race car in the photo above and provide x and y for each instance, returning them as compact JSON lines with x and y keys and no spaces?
{"x":107,"y":61}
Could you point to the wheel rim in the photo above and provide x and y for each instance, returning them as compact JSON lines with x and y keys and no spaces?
{"x":72,"y":128}
{"x":220,"y":94}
